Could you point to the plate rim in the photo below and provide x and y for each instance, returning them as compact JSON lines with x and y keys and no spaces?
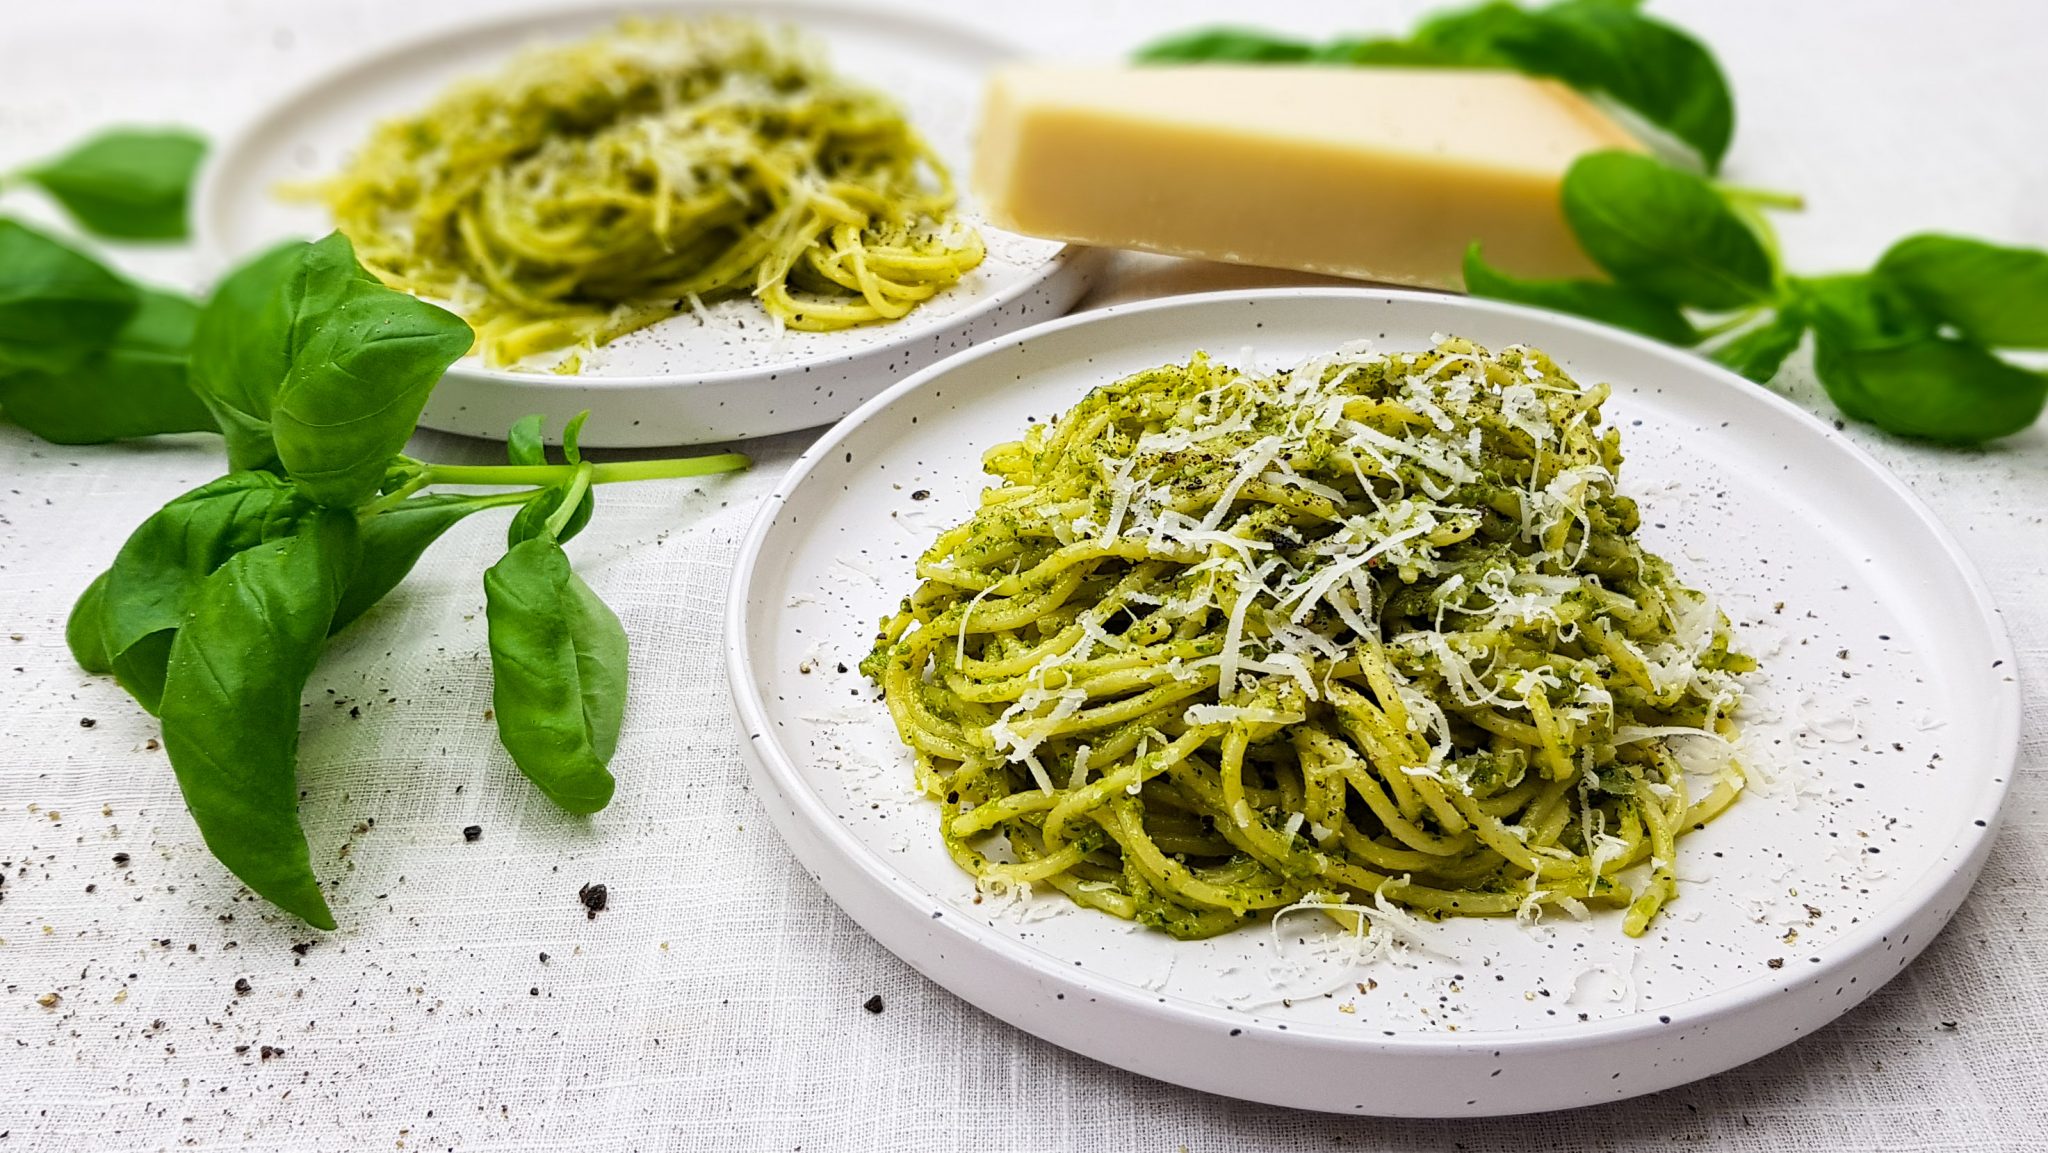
{"x":1940,"y":872}
{"x":216,"y":256}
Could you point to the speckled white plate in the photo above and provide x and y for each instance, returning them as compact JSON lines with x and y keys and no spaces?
{"x":685,"y":380}
{"x":1887,"y":705}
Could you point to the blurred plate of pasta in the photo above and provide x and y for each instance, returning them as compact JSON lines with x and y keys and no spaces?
{"x":701,"y":223}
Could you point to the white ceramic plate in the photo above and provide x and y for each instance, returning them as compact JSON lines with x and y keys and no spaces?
{"x":685,"y":380}
{"x":1888,"y":705}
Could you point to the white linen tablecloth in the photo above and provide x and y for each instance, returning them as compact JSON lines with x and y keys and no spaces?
{"x":469,"y":1002}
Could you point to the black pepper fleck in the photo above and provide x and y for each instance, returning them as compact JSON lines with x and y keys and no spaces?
{"x":472,"y":832}
{"x":873,"y":1004}
{"x":594,"y":898}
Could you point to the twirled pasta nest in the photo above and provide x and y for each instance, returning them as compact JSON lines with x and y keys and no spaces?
{"x":1377,"y":628}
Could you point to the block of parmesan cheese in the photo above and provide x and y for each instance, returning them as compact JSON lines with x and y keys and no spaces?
{"x":1377,"y":173}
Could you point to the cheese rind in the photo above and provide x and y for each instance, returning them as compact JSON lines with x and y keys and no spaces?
{"x":1381,"y":174}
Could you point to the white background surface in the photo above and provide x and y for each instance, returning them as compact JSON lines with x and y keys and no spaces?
{"x":716,"y":1003}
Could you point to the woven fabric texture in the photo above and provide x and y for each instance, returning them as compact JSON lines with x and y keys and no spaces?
{"x":470,"y":1000}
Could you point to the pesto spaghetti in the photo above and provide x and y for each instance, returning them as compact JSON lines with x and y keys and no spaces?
{"x":592,"y":189}
{"x":1377,"y":627}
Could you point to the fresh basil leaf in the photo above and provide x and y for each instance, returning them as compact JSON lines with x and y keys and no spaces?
{"x":572,"y":434}
{"x":1612,"y":304}
{"x":392,"y":542}
{"x":1883,"y":360}
{"x":1994,"y":295}
{"x":526,"y":444}
{"x":241,"y":347}
{"x":57,"y":305}
{"x":558,"y":674}
{"x":136,"y":387}
{"x":256,"y":328}
{"x":1238,"y":45}
{"x":231,"y":704}
{"x":523,"y":445}
{"x":154,"y":578}
{"x":1665,"y":232}
{"x":353,"y":395}
{"x":312,"y":365}
{"x":126,"y":183}
{"x":82,"y":629}
{"x":1935,"y":388}
{"x":1861,"y":311}
{"x":1759,"y":352}
{"x":532,"y":518}
{"x":1655,"y":70}
{"x":163,"y":324}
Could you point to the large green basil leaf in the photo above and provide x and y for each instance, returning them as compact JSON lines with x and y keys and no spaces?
{"x":1994,"y":295}
{"x":393,"y":541}
{"x":1660,"y":73}
{"x":1936,"y":388}
{"x":255,"y":329}
{"x":1613,"y":304}
{"x":136,"y":387}
{"x":355,"y":388}
{"x":82,"y":633}
{"x":149,"y":590}
{"x":1666,"y":232}
{"x":231,"y":703}
{"x":1884,"y":360}
{"x":126,"y":183}
{"x":57,"y":305}
{"x":558,"y":674}
{"x":1860,"y":310}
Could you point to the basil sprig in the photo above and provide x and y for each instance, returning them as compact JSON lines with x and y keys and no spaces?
{"x":215,"y":612}
{"x":86,"y":356}
{"x":125,"y":184}
{"x":1910,"y":346}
